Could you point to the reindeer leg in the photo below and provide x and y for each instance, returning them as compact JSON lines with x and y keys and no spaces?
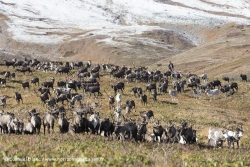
{"x":48,"y":128}
{"x":159,"y":138}
{"x":208,"y":142}
{"x":44,"y":129}
{"x":52,"y":127}
{"x":229,"y":143}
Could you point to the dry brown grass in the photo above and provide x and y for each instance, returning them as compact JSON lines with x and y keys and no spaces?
{"x":225,"y":51}
{"x":202,"y":113}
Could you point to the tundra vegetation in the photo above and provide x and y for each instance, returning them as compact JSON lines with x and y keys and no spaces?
{"x":55,"y":148}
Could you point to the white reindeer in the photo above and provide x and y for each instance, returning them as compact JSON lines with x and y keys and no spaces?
{"x":118,"y":99}
{"x":118,"y":113}
{"x":212,"y":92}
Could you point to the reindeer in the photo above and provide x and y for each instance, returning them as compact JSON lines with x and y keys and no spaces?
{"x":118,"y":99}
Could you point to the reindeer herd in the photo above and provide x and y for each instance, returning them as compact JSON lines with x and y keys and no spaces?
{"x":85,"y":117}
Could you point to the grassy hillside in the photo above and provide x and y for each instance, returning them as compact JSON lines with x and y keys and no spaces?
{"x":225,"y":51}
{"x":53,"y":149}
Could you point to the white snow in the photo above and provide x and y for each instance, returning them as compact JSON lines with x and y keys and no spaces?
{"x":42,"y":21}
{"x":234,"y":7}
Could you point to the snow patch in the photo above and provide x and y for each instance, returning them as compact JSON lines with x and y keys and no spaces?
{"x":49,"y":21}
